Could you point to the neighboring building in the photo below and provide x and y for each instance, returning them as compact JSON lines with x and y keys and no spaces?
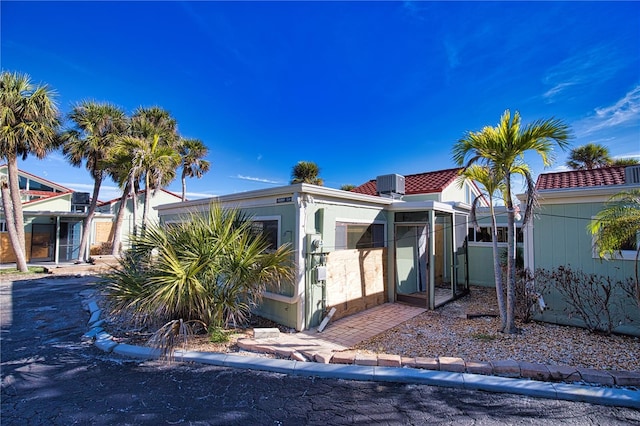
{"x":558,"y":234}
{"x":53,"y":217}
{"x":103,"y":227}
{"x":481,"y":246}
{"x":358,"y":249}
{"x":442,"y":186}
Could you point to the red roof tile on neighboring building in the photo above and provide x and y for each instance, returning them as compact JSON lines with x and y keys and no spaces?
{"x":581,"y":178}
{"x":421,"y":183}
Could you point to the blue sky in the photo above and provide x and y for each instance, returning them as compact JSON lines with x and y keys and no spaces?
{"x":360,"y":88}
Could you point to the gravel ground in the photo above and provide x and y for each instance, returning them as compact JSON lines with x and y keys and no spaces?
{"x":447,"y":332}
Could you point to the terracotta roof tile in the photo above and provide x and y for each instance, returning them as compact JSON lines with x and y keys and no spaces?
{"x":581,"y":178}
{"x":421,"y":183}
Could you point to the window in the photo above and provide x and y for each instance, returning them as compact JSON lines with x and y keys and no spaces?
{"x":627,"y":250}
{"x":32,"y":185}
{"x":351,"y":236}
{"x":3,"y":226}
{"x":268,"y":228}
{"x":483,"y":234}
{"x":412,"y":217}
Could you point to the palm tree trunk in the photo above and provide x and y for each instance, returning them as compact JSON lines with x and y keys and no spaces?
{"x":16,"y":201}
{"x":184,"y":186}
{"x":134,"y":204}
{"x":637,"y":282}
{"x":511,"y":265}
{"x":117,"y":227}
{"x":497,"y":272}
{"x":21,"y":261}
{"x":86,"y":227}
{"x":147,"y":203}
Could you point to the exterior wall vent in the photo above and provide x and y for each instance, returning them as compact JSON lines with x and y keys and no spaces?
{"x":390,"y":185}
{"x":632,"y":175}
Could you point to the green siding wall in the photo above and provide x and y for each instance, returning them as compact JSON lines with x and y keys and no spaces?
{"x":561,"y":238}
{"x":481,"y":266}
{"x":280,"y":312}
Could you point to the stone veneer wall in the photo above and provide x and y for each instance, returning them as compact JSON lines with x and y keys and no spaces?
{"x":356,"y":280}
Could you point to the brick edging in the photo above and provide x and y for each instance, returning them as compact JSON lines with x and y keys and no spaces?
{"x":502,"y":368}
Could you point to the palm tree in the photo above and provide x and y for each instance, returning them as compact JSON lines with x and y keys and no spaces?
{"x":617,"y":224}
{"x":306,"y":172}
{"x":589,"y":156}
{"x":192,"y":152}
{"x":625,"y":161}
{"x":502,"y":149}
{"x":493,"y":184}
{"x":29,"y":120}
{"x":155,"y":155}
{"x":97,"y":128}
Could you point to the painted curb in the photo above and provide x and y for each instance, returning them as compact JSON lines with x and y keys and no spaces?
{"x":505,"y":384}
{"x":334,"y":371}
{"x":424,"y":377}
{"x":598,"y":395}
{"x":95,"y":316}
{"x":139,"y":352}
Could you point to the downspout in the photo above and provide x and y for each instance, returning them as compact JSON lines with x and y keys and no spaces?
{"x":454,"y":258}
{"x":299,"y":282}
{"x":56,"y":255}
{"x":432,"y":260}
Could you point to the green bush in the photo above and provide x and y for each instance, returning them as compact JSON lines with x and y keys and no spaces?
{"x":218,"y":335}
{"x":209,"y":268}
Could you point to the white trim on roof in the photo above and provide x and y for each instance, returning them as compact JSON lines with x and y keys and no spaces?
{"x":270,"y":196}
{"x":39,"y":179}
{"x":589,"y":194}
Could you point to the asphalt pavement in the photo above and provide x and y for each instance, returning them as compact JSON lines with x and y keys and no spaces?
{"x":51,"y":374}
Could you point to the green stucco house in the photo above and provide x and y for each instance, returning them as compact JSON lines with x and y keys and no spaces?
{"x":395,"y":238}
{"x":558,"y":234}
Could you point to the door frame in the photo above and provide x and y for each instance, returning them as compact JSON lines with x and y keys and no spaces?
{"x":51,"y":245}
{"x":427,"y":271}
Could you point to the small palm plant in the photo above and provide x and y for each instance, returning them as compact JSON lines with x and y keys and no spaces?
{"x":208,"y":271}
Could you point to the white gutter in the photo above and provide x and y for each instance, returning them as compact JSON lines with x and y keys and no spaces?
{"x":193,"y":205}
{"x":406,"y":206}
{"x":588,"y":194}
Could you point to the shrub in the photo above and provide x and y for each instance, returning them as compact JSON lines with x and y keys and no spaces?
{"x":209,"y":270}
{"x":102,"y":249}
{"x":529,"y":295}
{"x":599,"y":301}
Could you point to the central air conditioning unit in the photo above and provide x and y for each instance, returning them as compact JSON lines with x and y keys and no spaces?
{"x":632,"y":175}
{"x":390,"y":185}
{"x":82,"y":198}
